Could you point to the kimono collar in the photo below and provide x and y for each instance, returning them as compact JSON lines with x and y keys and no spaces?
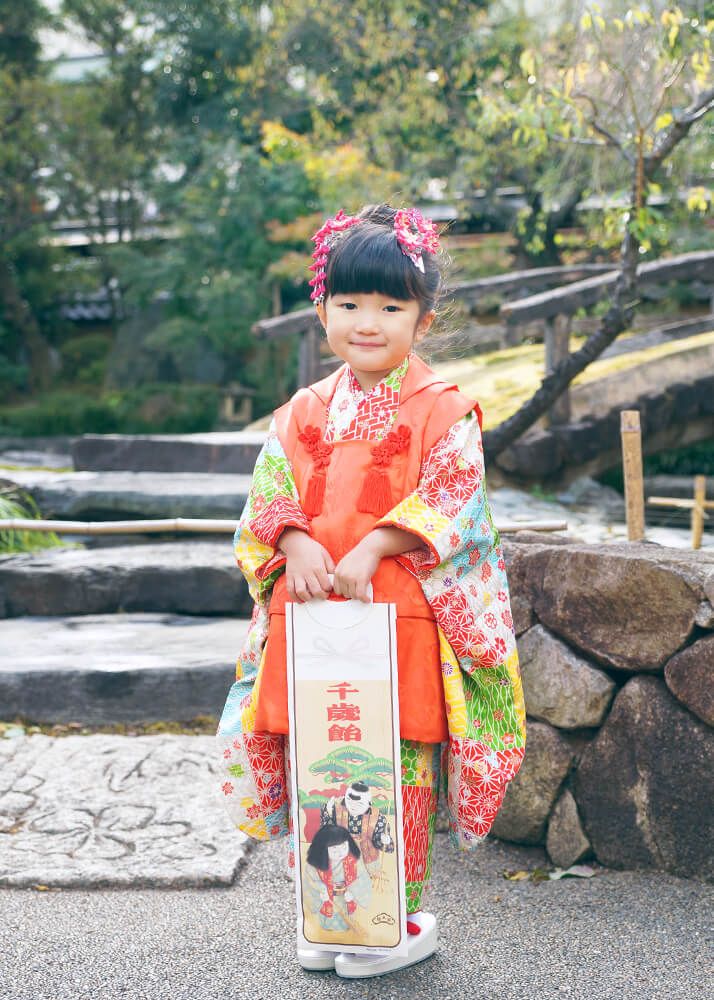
{"x":418,"y":376}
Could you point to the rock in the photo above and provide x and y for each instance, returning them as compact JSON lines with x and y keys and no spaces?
{"x":522,"y":612}
{"x":589,"y":493}
{"x":95,"y":811}
{"x":590,"y":443}
{"x":705,"y":615}
{"x":530,"y":796}
{"x":118,"y":495}
{"x":630,"y":606}
{"x":566,"y":842}
{"x":193,"y":578}
{"x":559,"y":686}
{"x":644,"y":785}
{"x":689,"y":675}
{"x":99,"y":669}
{"x":226,"y":452}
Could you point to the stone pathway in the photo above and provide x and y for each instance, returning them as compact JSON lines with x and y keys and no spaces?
{"x":90,"y":811}
{"x":189,"y":577}
{"x":116,"y":495}
{"x":115,"y":668}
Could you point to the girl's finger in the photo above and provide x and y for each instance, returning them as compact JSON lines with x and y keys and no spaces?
{"x":323,"y":580}
{"x":301,"y":591}
{"x":314,"y":586}
{"x":329,"y":562}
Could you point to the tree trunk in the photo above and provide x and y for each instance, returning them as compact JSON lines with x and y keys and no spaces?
{"x":19,"y":315}
{"x":617,"y":319}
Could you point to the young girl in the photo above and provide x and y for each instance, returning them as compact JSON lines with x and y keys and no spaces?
{"x":375,"y":475}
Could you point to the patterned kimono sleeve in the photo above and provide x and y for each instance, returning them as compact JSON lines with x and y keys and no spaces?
{"x":450,"y":486}
{"x":460,"y":566}
{"x":272,"y":505}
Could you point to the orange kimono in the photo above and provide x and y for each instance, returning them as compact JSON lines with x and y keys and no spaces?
{"x":459,"y":681}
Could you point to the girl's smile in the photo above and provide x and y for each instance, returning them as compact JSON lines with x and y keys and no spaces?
{"x":372,"y":332}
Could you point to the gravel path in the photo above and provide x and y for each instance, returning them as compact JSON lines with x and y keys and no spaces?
{"x":617,"y":936}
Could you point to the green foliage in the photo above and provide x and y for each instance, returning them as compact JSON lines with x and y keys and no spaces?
{"x":16,"y":503}
{"x":692,"y":460}
{"x":83,"y":357}
{"x":162,"y":408}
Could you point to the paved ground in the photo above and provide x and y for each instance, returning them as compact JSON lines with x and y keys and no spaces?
{"x":192,"y":916}
{"x":617,"y":936}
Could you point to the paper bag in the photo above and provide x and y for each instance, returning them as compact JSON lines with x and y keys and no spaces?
{"x":346,"y":776}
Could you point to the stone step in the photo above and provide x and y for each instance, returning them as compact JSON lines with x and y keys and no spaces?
{"x":232,"y":452}
{"x":188,"y":577}
{"x":101,"y":496}
{"x":104,"y":810}
{"x":99,"y":669}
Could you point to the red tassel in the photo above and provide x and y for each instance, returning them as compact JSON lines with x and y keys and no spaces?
{"x":315,"y":493}
{"x":376,"y":495}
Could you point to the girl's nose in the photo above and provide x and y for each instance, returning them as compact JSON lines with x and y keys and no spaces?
{"x":367,"y":323}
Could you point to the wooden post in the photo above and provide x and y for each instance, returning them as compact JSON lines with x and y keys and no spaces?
{"x":698,"y":514}
{"x":309,"y":355}
{"x":557,"y":347}
{"x":632,"y":469}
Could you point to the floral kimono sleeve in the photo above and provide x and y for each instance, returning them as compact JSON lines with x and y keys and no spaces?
{"x":461,"y":567}
{"x":272,"y":505}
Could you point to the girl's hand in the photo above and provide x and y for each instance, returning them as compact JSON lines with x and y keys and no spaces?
{"x":308,"y":565}
{"x":354,"y":572}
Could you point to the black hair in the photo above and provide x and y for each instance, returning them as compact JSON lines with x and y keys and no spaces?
{"x":329,"y":836}
{"x":367,"y":258}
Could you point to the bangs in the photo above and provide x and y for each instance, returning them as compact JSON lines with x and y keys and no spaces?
{"x":369,"y":259}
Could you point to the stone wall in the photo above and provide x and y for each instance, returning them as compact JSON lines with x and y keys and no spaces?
{"x":617,"y":656}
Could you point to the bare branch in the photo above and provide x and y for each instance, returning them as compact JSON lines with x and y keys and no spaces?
{"x":679,"y":129}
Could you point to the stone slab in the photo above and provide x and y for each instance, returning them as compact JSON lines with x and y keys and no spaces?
{"x":92,"y":811}
{"x":645,"y":785}
{"x":101,"y":496}
{"x":226,"y":452}
{"x":187,"y":577}
{"x":99,"y":669}
{"x":559,"y":686}
{"x":630,"y":607}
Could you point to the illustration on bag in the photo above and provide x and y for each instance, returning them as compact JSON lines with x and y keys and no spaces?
{"x":349,"y":863}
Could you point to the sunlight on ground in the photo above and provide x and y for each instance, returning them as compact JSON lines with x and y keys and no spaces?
{"x":503,"y":380}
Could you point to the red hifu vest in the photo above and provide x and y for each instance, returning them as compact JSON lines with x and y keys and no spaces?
{"x":346,"y":488}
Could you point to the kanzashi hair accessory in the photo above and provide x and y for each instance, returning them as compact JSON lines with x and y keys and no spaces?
{"x":323,"y":240}
{"x":414,"y":234}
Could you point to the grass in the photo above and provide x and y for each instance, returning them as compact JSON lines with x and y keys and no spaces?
{"x":503,"y":380}
{"x":199,"y":726}
{"x":15,"y":503}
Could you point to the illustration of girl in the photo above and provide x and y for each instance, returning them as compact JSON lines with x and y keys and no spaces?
{"x":336,"y":881}
{"x":375,"y":474}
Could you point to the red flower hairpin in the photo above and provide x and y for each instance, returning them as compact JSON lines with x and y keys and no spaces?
{"x":414,"y":234}
{"x":323,"y":240}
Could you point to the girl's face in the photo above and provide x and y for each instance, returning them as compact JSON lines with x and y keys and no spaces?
{"x":371,"y":332}
{"x":338,"y":852}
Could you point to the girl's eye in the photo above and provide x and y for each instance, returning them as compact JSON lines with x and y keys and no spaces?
{"x":395,"y":308}
{"x":347,"y":305}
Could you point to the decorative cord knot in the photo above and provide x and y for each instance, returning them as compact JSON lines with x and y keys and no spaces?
{"x":376,"y":495}
{"x":320,"y":452}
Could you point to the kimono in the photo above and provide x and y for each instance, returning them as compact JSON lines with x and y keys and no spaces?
{"x":461,"y":571}
{"x":325,"y":893}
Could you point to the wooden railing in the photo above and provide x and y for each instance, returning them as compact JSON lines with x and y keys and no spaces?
{"x":535,"y":298}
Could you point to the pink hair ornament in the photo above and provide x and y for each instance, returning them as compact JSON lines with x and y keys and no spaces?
{"x":414,"y":234}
